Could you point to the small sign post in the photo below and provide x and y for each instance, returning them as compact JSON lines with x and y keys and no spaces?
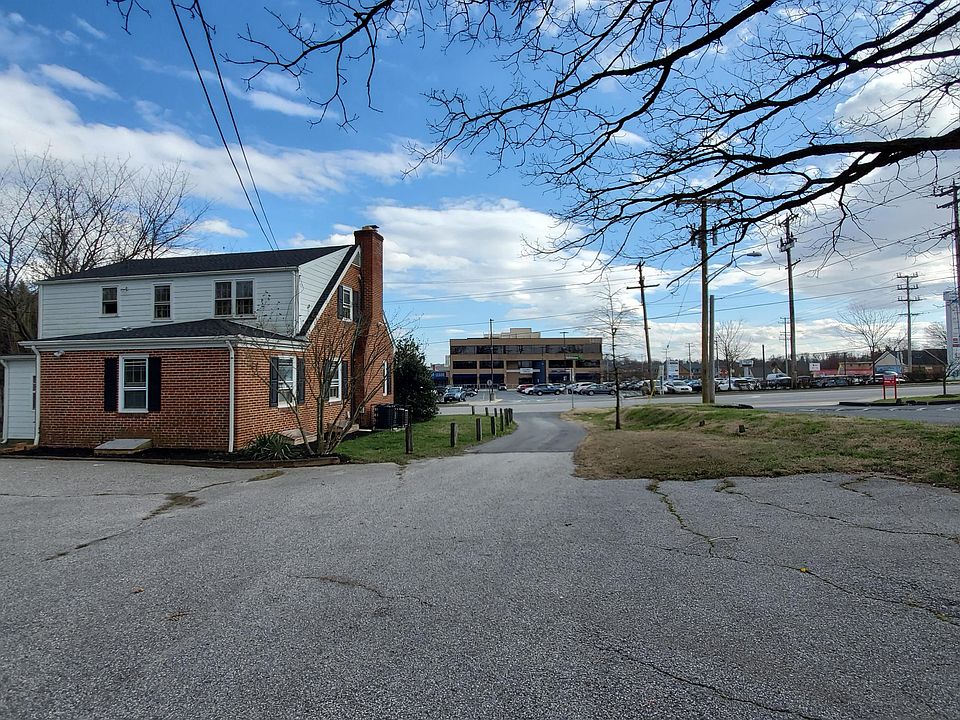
{"x":889,"y":380}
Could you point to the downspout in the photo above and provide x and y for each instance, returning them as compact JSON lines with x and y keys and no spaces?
{"x":6,"y":400}
{"x":230,"y":429}
{"x":36,"y":413}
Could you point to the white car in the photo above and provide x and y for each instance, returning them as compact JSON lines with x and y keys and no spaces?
{"x":676,"y":386}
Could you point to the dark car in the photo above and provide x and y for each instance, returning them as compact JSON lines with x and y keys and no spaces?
{"x":544,"y":389}
{"x":454,"y":394}
{"x":597,"y":389}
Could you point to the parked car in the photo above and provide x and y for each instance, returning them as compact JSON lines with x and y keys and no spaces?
{"x":597,"y":389}
{"x":522,"y":387}
{"x":778,"y":380}
{"x":576,"y":387}
{"x":746,"y":383}
{"x":676,"y":386}
{"x":543,"y":389}
{"x":454,"y":393}
{"x":470,"y":392}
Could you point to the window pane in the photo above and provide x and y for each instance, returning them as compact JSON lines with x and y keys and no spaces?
{"x":134,"y":373}
{"x":135,"y":399}
{"x":161,"y":293}
{"x":109,"y":304}
{"x":286,"y":384}
{"x":223,"y":290}
{"x":244,"y":307}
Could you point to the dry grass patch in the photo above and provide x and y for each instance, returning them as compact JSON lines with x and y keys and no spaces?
{"x":699,"y":442}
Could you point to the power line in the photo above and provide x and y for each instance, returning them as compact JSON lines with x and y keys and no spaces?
{"x":216,"y":120}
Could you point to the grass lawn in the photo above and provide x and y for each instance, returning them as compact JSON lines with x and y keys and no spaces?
{"x":692,"y":442}
{"x":430,"y":439}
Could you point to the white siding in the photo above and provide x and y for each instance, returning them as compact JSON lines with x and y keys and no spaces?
{"x":314,"y":277}
{"x":73,"y":308}
{"x":18,"y":421}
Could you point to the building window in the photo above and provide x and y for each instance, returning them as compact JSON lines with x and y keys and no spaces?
{"x":161,"y":302}
{"x":233,"y":297}
{"x":286,"y":382}
{"x":334,"y":370}
{"x":108,"y":301}
{"x":133,"y":384}
{"x":345,"y":303}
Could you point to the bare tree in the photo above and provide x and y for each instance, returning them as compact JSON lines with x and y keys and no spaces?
{"x":343,"y":365}
{"x":937,"y":335}
{"x":731,"y":343}
{"x":717,"y":100}
{"x":58,"y":218}
{"x":872,"y":327}
{"x":611,"y":318}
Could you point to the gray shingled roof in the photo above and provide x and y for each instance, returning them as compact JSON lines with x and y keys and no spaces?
{"x":232,"y":262}
{"x":193,"y":329}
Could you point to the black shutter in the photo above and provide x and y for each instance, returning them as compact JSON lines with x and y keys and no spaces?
{"x":153,"y":384}
{"x":111,"y":382}
{"x":274,"y":380}
{"x":344,"y":379}
{"x":301,"y":381}
{"x":341,"y":303}
{"x":389,"y":378}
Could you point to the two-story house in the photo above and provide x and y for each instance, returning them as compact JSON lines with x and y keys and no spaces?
{"x":208,"y":351}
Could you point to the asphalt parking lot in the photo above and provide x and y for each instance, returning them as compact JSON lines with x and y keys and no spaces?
{"x":492,"y":585}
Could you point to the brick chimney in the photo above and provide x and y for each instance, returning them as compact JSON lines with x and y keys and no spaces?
{"x":370,"y":243}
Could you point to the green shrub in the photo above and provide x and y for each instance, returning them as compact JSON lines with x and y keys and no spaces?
{"x":271,"y":446}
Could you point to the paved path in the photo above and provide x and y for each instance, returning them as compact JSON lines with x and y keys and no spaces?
{"x":538,"y":432}
{"x":482,"y":586}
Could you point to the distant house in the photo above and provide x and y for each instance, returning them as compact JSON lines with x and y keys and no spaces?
{"x":205,"y":351}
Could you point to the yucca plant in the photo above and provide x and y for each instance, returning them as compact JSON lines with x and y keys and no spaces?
{"x":271,"y":446}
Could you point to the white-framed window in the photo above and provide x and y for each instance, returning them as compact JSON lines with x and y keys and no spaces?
{"x":286,"y":382}
{"x":233,"y":298}
{"x":335,"y":372}
{"x":133,"y":384}
{"x":162,"y":302}
{"x":109,"y":302}
{"x":345,"y":303}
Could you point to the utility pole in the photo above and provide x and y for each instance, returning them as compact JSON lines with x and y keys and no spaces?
{"x":706,"y":338}
{"x":952,"y":193}
{"x":646,"y":325}
{"x":908,"y":287}
{"x":786,"y":245}
{"x":786,"y":335}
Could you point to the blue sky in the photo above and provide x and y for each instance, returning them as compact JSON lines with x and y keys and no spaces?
{"x":76,"y":85}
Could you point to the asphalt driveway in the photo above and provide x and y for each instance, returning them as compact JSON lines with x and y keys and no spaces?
{"x":483,"y":586}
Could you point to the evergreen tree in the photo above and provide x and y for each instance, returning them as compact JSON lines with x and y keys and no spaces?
{"x":413,"y":381}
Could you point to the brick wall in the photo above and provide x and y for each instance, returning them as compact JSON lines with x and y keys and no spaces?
{"x":193,"y":411}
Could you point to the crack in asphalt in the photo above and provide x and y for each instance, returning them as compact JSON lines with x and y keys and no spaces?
{"x":351,"y":583}
{"x":654,"y":487}
{"x":848,"y":485}
{"x":173,"y":501}
{"x":955,"y":539}
{"x":693,"y":682}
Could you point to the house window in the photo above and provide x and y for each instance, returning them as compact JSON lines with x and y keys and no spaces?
{"x":345,"y":303}
{"x":108,"y":301}
{"x":334,"y":370}
{"x":133,"y":384}
{"x":244,"y":297}
{"x":233,"y":297}
{"x":161,"y":302}
{"x":286,"y":382}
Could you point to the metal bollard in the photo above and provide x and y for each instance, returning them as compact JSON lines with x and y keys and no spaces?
{"x":486,"y":411}
{"x":408,"y":438}
{"x":479,"y":430}
{"x":493,"y":426}
{"x":454,"y":431}
{"x":501,"y":421}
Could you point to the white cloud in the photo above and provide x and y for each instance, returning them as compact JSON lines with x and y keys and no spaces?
{"x":34,"y":119}
{"x":72,"y":80}
{"x":89,"y":29}
{"x":219,"y":226}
